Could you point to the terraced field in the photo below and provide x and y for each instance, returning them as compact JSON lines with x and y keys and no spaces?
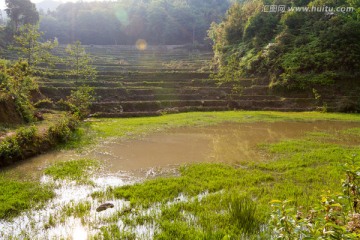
{"x":149,"y":82}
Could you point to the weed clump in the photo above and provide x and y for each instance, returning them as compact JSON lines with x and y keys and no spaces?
{"x":75,"y":170}
{"x":243,"y":212}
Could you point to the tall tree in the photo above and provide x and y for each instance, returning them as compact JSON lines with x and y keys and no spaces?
{"x":27,"y":43}
{"x":79,"y":62}
{"x":21,"y":12}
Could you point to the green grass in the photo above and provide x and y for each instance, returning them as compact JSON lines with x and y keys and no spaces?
{"x":353,"y":131}
{"x":133,"y":127}
{"x":74,"y":170}
{"x":297,"y":169}
{"x":17,"y":196}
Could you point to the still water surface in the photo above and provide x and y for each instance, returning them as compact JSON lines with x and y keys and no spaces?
{"x":226,"y":142}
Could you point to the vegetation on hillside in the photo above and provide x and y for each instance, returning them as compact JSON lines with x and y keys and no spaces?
{"x":16,"y":81}
{"x":293,"y":49}
{"x":18,"y":85}
{"x":78,"y":62}
{"x":28,"y":45}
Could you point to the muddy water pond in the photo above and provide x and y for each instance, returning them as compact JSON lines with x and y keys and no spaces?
{"x":226,"y":142}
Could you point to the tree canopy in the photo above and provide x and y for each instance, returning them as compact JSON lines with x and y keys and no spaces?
{"x":21,"y":12}
{"x":294,"y":49}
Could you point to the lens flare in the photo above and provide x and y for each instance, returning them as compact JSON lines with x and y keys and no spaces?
{"x":122,"y":16}
{"x":141,"y":44}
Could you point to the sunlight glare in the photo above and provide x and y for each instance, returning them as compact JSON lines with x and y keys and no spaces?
{"x":141,"y":44}
{"x":79,"y":233}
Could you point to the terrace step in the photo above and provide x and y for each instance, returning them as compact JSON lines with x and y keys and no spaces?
{"x":145,"y":106}
{"x":132,"y":83}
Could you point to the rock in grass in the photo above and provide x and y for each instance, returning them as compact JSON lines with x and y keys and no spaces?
{"x":104,"y":206}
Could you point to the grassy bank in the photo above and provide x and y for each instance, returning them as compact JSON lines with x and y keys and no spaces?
{"x":29,"y":141}
{"x":132,"y":127}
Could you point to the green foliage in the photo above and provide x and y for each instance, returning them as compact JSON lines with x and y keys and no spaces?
{"x":17,"y":196}
{"x":79,"y":62}
{"x":26,"y":135}
{"x":27,"y":44}
{"x":9,"y":150}
{"x":75,"y":170}
{"x":243,"y":212}
{"x":21,"y":12}
{"x":295,"y":50}
{"x":16,"y":80}
{"x":12,"y":148}
{"x":61,"y":131}
{"x":27,"y":141}
{"x":80,"y":101}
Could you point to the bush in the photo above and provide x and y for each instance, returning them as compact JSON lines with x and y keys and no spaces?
{"x":79,"y":101}
{"x":59,"y":132}
{"x":62,"y":131}
{"x":9,"y":150}
{"x":26,"y":142}
{"x":26,"y":136}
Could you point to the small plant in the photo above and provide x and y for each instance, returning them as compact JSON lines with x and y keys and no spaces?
{"x":79,"y":101}
{"x":9,"y":150}
{"x":351,"y":184}
{"x":26,"y":136}
{"x":60,"y":132}
{"x":243,"y":211}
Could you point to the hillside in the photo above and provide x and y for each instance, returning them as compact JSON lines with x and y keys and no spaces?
{"x":170,"y":79}
{"x":298,"y":50}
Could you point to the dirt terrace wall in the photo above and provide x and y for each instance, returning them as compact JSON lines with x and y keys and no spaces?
{"x":8,"y":110}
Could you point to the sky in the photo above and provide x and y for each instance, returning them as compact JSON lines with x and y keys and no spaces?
{"x":2,"y":2}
